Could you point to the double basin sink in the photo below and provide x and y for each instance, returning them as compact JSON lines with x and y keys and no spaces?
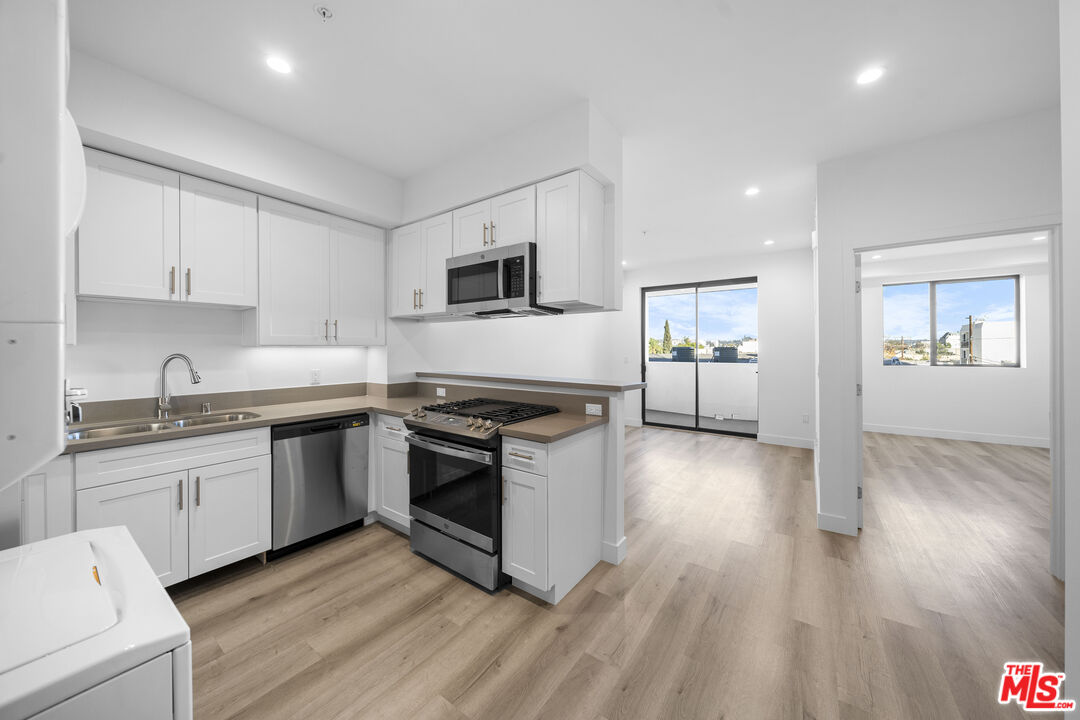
{"x":159,"y":425}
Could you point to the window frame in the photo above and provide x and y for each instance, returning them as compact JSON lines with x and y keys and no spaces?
{"x":933,"y":315}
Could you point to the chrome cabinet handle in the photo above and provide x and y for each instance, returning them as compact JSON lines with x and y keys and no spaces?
{"x":335,"y":331}
{"x":188,"y":281}
{"x":502,"y":490}
{"x":421,"y":298}
{"x":395,"y":429}
{"x":180,"y":492}
{"x":172,"y":280}
{"x":414,"y":299}
{"x":519,"y":455}
{"x":198,"y":500}
{"x":326,"y":330}
{"x":485,"y":235}
{"x":493,"y":234}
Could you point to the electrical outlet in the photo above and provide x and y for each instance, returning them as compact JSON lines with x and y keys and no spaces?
{"x":440,"y":392}
{"x":593,"y":409}
{"x":806,"y":418}
{"x":316,"y":376}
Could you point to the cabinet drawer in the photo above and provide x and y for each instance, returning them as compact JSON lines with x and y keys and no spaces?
{"x":525,"y":455}
{"x":390,"y":427}
{"x":103,"y":467}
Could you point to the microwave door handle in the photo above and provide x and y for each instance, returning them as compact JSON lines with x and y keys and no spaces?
{"x":502,"y":290}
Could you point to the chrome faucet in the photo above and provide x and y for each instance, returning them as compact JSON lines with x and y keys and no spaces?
{"x":163,"y":397}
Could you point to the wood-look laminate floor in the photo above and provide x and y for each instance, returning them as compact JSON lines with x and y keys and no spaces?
{"x":730,"y":604}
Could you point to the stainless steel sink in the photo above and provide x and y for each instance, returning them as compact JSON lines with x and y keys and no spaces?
{"x":159,"y":426}
{"x":213,"y":419}
{"x":114,"y":430}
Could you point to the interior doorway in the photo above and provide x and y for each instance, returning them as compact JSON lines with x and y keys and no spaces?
{"x":699,"y":355}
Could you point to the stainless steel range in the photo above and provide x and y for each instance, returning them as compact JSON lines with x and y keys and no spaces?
{"x":455,"y":483}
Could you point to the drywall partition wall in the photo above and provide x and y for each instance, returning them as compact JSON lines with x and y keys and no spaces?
{"x":785,"y":369}
{"x":127,"y":114}
{"x":993,"y":177}
{"x":982,"y":404}
{"x":121,"y":346}
{"x":1070,"y":266}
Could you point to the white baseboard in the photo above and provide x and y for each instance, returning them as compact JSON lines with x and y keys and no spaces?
{"x":959,"y":435}
{"x":633,"y":422}
{"x":614,"y":553}
{"x":836,"y":524}
{"x":798,"y":442}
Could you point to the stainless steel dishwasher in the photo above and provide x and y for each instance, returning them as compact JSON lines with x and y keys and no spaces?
{"x":320,"y":477}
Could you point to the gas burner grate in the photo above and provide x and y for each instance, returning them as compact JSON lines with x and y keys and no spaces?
{"x":500,"y":411}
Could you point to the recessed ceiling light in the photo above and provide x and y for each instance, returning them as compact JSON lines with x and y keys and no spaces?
{"x":870,"y":75}
{"x":624,"y":263}
{"x":278,"y":64}
{"x":875,"y":257}
{"x":1037,"y":238}
{"x":769,"y":242}
{"x":752,"y":190}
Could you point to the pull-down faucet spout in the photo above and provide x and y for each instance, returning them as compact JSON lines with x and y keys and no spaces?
{"x":163,"y":396}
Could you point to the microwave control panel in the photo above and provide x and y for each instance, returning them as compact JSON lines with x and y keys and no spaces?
{"x":514,"y":277}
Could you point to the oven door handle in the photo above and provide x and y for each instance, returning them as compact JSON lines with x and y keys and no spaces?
{"x":444,"y":448}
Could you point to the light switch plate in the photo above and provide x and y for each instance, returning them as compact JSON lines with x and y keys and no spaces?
{"x":440,"y":392}
{"x":316,"y":376}
{"x":593,"y":409}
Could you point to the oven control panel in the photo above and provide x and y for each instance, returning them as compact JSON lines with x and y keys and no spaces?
{"x":461,"y":425}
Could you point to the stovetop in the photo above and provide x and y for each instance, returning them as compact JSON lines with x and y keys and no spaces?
{"x":478,"y":418}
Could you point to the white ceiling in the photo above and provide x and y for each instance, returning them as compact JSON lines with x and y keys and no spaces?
{"x":1000,"y":252}
{"x":711,"y":95}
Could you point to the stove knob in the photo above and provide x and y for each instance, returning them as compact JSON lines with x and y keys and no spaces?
{"x":415,"y":412}
{"x":474,"y":422}
{"x":487,"y":424}
{"x":422,"y":413}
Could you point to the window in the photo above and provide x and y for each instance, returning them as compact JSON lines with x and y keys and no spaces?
{"x":972,"y":322}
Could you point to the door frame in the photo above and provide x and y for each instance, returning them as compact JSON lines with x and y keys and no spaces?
{"x":1056,"y":358}
{"x":643,"y":342}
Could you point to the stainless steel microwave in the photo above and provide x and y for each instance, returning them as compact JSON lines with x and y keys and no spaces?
{"x":500,"y":282}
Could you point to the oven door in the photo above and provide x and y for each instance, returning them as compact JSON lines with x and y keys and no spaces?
{"x":455,"y":489}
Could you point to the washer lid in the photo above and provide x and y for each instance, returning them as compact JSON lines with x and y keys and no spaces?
{"x":54,"y":595}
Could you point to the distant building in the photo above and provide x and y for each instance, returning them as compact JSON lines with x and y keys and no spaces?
{"x":748,"y":347}
{"x":993,"y":343}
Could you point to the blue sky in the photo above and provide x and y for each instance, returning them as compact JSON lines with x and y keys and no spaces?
{"x":725,"y":315}
{"x":907,"y":307}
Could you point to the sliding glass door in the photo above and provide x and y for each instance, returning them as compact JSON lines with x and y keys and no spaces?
{"x":699,"y":356}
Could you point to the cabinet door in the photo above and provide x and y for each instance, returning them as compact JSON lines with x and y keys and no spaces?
{"x":392,"y":461}
{"x":357,"y":284}
{"x":219,"y":243}
{"x":294,"y":280}
{"x":229,"y":513}
{"x":154,"y":509}
{"x":438,"y":244}
{"x":406,"y":262}
{"x":472,"y":228}
{"x":513,"y":217}
{"x":525,"y":527}
{"x":557,"y":207}
{"x":129,"y":237}
{"x":48,"y":500}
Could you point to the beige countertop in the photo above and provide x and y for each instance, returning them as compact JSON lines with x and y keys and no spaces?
{"x":570,"y":383}
{"x":544,"y":429}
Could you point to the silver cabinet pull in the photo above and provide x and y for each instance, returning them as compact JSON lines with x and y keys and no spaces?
{"x":335,"y":331}
{"x":421,"y":298}
{"x":198,"y":499}
{"x":180,"y":492}
{"x":326,"y":330}
{"x":172,"y":280}
{"x":414,"y":299}
{"x":502,"y":489}
{"x":516,"y":454}
{"x":485,"y":235}
{"x":493,"y":234}
{"x":188,"y":281}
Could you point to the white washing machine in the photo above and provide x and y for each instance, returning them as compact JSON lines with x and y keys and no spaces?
{"x":87,"y":631}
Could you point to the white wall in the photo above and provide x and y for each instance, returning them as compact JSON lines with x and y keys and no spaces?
{"x":1003,"y":405}
{"x":121,"y":346}
{"x":1070,"y":138}
{"x":998,"y":176}
{"x":124,"y":113}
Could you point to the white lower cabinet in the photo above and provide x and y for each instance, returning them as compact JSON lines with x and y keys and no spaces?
{"x":154,"y":509}
{"x":391,"y":470}
{"x":228,"y":513}
{"x":207,"y":505}
{"x":553,"y":515}
{"x":45,"y":502}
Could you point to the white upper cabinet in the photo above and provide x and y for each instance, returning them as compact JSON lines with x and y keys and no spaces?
{"x":418,"y":254}
{"x":513,"y":217}
{"x":129,"y":237}
{"x":406,"y":265}
{"x":154,"y":234}
{"x":294,"y":275}
{"x":503,"y":220}
{"x":570,"y":241}
{"x":357,"y":283}
{"x":472,"y":228}
{"x":219,"y":243}
{"x":322,"y":278}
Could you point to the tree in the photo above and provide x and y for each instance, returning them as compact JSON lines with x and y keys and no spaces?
{"x":655,"y":348}
{"x":666,"y":346}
